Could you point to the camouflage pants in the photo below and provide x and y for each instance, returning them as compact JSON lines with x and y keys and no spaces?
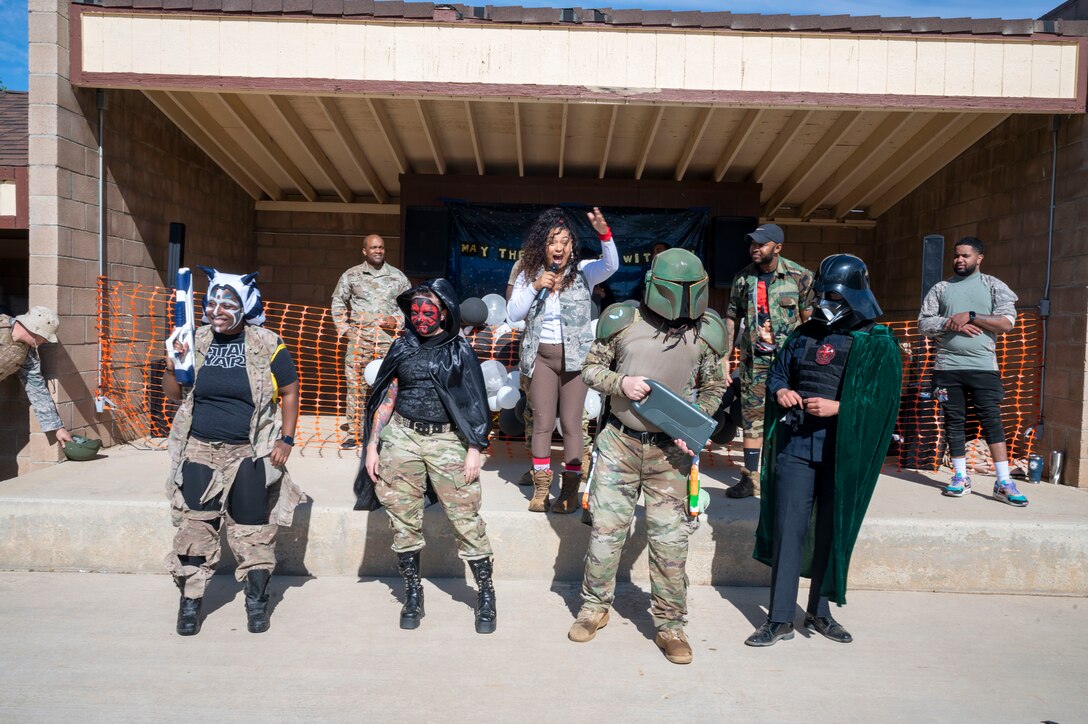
{"x":254,"y":546}
{"x":527,"y":418}
{"x":407,"y":459}
{"x":753,"y":394}
{"x":626,"y":467}
{"x":363,"y":346}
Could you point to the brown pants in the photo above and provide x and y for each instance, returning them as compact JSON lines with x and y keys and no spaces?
{"x":551,"y":386}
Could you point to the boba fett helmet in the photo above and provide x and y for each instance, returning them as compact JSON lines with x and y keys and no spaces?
{"x":677,"y":285}
{"x":82,"y":448}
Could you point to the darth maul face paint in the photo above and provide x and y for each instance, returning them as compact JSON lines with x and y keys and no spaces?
{"x":425,"y":315}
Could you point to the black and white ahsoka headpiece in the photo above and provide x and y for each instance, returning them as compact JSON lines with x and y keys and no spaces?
{"x":244,"y":287}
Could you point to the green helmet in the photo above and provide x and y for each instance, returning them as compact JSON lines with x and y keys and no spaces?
{"x":677,"y":285}
{"x":82,"y":448}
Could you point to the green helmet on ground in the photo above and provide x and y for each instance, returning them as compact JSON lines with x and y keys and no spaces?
{"x":82,"y":448}
{"x":677,"y":285}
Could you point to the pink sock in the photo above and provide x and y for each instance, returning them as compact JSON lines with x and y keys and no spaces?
{"x":541,"y":463}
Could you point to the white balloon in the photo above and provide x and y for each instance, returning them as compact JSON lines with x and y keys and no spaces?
{"x":503,"y":329}
{"x":494,"y":375}
{"x":496,"y":309}
{"x":593,"y":329}
{"x":518,"y":325}
{"x":558,"y":426}
{"x":370,"y":372}
{"x":508,"y":397}
{"x":493,"y":403}
{"x":593,"y":403}
{"x":513,"y":379}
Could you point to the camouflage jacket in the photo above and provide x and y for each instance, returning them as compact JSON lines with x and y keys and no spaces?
{"x":789,"y":294}
{"x":264,"y":428}
{"x":365,"y":295}
{"x":24,"y":360}
{"x":575,"y":312}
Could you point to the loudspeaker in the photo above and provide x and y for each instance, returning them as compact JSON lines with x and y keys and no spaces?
{"x":932,"y":262}
{"x":175,"y":252}
{"x":728,"y":247}
{"x":426,"y":241}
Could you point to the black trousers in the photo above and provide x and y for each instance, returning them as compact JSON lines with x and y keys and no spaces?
{"x":953,"y":388}
{"x":798,"y":484}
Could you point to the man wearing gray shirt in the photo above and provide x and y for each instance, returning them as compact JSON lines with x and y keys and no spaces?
{"x":964,"y":314}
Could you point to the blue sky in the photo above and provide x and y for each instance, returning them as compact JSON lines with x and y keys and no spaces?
{"x":13,"y":16}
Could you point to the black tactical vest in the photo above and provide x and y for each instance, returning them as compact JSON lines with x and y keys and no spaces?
{"x":822,"y":363}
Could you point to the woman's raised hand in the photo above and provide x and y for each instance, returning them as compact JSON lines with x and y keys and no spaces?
{"x":596,"y":218}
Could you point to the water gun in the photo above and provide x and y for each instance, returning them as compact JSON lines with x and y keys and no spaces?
{"x":587,"y":517}
{"x":184,"y":327}
{"x":693,"y":488}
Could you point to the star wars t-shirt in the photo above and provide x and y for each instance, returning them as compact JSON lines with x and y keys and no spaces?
{"x":222,"y":403}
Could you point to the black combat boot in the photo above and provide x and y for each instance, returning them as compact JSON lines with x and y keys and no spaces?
{"x":487,"y":617}
{"x":257,"y":600}
{"x":188,"y":612}
{"x":412,"y":611}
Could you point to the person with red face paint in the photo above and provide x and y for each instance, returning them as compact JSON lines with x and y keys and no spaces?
{"x":553,"y":295}
{"x":427,"y":419}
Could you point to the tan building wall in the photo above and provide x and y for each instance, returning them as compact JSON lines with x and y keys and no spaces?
{"x":999,"y":191}
{"x":155,"y":175}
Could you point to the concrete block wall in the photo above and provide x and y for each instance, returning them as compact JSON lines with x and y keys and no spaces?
{"x":154,"y":175}
{"x":999,"y":191}
{"x":301,"y":256}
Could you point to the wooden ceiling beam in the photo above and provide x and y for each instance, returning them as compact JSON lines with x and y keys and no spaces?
{"x":432,"y":139}
{"x":389,"y":134}
{"x":953,"y":147}
{"x":876,"y":179}
{"x":736,"y":141}
{"x":474,"y":136}
{"x":351,"y":145}
{"x":260,"y":136}
{"x":563,"y":137}
{"x":517,"y":139}
{"x":309,"y":144}
{"x":648,"y":142}
{"x":608,"y":142}
{"x":782,"y":141}
{"x":857,"y":164}
{"x":166,"y":103}
{"x":702,"y":122}
{"x":838,"y":130}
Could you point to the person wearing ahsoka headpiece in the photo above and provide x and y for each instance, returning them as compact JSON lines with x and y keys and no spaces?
{"x":229,"y":444}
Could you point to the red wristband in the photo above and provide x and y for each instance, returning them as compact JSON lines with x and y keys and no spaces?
{"x":606,"y":236}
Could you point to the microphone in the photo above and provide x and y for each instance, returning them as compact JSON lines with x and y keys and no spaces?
{"x":543,"y":293}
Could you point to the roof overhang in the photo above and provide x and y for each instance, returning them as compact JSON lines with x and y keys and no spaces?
{"x":835,"y":126}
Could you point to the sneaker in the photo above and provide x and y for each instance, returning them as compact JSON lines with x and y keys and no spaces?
{"x":587,"y":624}
{"x":958,"y":486}
{"x":1006,"y":492}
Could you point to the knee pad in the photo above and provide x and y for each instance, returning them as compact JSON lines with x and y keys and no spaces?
{"x":195,"y":479}
{"x":248,"y":501}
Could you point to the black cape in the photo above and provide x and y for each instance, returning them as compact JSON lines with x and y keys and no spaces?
{"x":456,"y":374}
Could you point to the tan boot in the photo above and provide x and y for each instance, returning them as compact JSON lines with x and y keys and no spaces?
{"x":675,"y":645}
{"x":567,"y":502}
{"x":586,"y":625}
{"x":526,"y":478}
{"x":542,"y":483}
{"x":747,"y":487}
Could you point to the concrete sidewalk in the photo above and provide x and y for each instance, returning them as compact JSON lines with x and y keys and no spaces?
{"x":101,"y":648}
{"x":110,"y":514}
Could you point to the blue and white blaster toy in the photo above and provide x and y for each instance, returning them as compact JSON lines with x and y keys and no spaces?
{"x":184,"y":326}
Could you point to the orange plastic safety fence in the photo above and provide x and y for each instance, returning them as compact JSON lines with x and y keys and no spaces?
{"x":134,"y":321}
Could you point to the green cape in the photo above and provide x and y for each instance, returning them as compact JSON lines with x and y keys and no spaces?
{"x":867,"y":410}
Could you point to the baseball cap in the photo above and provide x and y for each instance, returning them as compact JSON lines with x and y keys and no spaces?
{"x":40,"y":321}
{"x":767,"y":233}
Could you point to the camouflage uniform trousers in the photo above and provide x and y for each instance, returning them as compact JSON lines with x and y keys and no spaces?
{"x":626,"y":467}
{"x":254,"y":546}
{"x":527,"y":418}
{"x":364,"y":344}
{"x":753,"y":394}
{"x":407,"y":459}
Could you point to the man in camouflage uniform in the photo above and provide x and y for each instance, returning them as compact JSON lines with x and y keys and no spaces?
{"x":364,"y":309}
{"x":20,"y":338}
{"x":673,"y":339}
{"x":771,"y":297}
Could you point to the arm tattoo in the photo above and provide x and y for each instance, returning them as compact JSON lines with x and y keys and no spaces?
{"x":385,"y":409}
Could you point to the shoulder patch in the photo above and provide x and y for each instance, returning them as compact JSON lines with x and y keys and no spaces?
{"x":615,"y":319}
{"x":714,"y":333}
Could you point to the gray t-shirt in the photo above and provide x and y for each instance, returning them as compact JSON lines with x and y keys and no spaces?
{"x":977,"y":293}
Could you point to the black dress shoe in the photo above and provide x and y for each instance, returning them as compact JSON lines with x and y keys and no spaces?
{"x":769,"y":634}
{"x":828,"y":627}
{"x":349,"y":444}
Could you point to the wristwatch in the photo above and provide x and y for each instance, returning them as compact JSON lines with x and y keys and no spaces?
{"x":971,"y":317}
{"x":287,"y":440}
